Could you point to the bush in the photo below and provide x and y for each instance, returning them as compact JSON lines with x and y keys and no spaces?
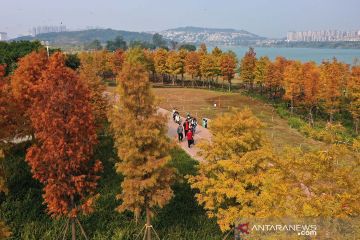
{"x":296,"y":123}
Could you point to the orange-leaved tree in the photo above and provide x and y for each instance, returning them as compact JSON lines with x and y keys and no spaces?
{"x":90,"y":72}
{"x":24,"y":83}
{"x":142,"y":145}
{"x":247,"y":68}
{"x":354,"y":95}
{"x":13,"y":124}
{"x":311,"y":78}
{"x":293,"y":83}
{"x":333,"y":77}
{"x":192,"y":65}
{"x":27,"y":75}
{"x":228,"y":64}
{"x":61,"y":157}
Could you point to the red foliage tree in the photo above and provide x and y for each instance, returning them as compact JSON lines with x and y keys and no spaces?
{"x":65,"y":132}
{"x":12,"y":121}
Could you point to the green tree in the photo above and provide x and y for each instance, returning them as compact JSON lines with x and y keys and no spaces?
{"x":158,"y":41}
{"x":94,"y":45}
{"x":117,"y":43}
{"x":188,"y":47}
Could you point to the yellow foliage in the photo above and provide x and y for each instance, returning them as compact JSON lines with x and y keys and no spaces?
{"x":142,"y":145}
{"x":236,"y":178}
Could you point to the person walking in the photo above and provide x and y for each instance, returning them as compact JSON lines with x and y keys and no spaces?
{"x":186,"y":126}
{"x":190,"y":138}
{"x":177,"y":118}
{"x":180,"y":131}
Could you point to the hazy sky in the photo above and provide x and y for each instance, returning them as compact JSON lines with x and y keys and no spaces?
{"x":269,"y":18}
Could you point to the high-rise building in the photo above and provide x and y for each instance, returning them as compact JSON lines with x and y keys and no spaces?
{"x":323,"y":36}
{"x":47,"y":29}
{"x":3,"y":36}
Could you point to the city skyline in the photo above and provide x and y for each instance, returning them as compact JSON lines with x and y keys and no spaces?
{"x":271,"y":19}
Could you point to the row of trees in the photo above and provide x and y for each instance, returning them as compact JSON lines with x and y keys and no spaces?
{"x":331,"y":87}
{"x":199,"y":65}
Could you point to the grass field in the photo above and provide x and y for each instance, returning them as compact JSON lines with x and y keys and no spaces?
{"x":200,"y":103}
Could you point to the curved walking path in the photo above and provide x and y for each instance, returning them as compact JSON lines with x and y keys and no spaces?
{"x":201,"y":133}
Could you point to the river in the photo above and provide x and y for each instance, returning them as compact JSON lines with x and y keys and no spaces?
{"x":302,"y":54}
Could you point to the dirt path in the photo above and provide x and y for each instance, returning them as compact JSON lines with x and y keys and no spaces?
{"x":201,"y":133}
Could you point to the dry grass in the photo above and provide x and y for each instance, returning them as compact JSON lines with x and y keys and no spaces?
{"x":200,"y":103}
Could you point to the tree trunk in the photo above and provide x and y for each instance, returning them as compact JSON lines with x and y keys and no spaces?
{"x":357,"y":126}
{"x":148,"y":224}
{"x":73,"y":229}
{"x":229,"y":85}
{"x":331,"y":117}
{"x":292,"y":106}
{"x":311,"y":119}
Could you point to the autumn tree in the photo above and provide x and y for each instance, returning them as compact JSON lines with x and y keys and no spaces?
{"x":24,"y":89}
{"x":93,"y":65}
{"x":202,"y":49}
{"x":61,"y":158}
{"x":160,"y":57}
{"x":236,"y":179}
{"x":311,"y":78}
{"x":293,"y":82}
{"x":217,"y":53}
{"x":275,"y":76}
{"x":175,"y":64}
{"x":13,"y":124}
{"x":26,"y":77}
{"x":142,"y":145}
{"x":116,"y":60}
{"x":192,"y":65}
{"x":333,"y":78}
{"x":247,"y":67}
{"x":208,"y":68}
{"x":261,"y":68}
{"x":329,"y":179}
{"x":228,"y":64}
{"x":354,"y":95}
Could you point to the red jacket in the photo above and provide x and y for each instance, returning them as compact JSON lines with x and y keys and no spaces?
{"x":189,"y":135}
{"x":186,"y":125}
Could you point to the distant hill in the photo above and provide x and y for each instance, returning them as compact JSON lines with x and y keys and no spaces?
{"x":85,"y":36}
{"x":198,"y":35}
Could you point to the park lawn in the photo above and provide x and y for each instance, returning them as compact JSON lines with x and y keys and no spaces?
{"x":200,"y":103}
